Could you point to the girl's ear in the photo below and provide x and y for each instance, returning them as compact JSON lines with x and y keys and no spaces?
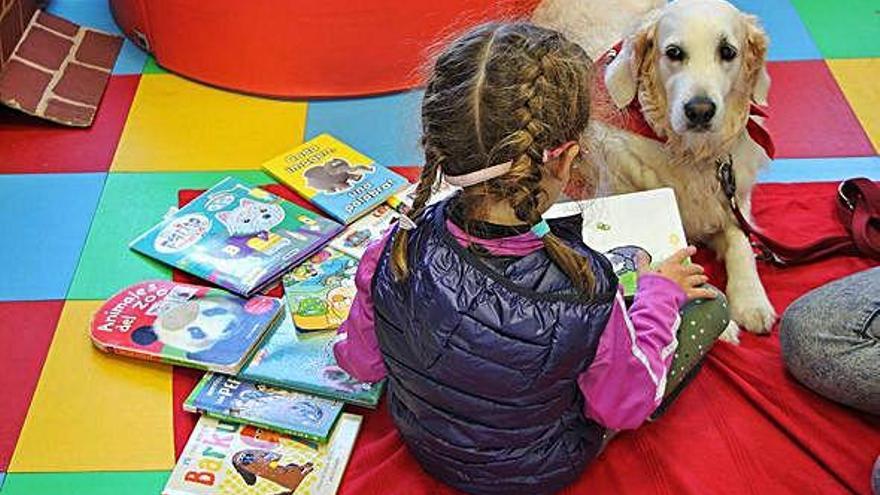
{"x":561,"y":169}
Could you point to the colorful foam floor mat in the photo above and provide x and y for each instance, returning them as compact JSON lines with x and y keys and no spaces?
{"x":76,"y":421}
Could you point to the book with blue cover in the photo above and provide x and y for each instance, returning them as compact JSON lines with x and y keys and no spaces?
{"x":335,"y":177}
{"x":239,"y":237}
{"x":305,"y":362}
{"x":240,"y":401}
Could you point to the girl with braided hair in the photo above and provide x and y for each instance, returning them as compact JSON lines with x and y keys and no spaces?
{"x":508,"y":348}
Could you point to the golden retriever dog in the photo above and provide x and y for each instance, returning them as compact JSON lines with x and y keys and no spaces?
{"x":694,"y":67}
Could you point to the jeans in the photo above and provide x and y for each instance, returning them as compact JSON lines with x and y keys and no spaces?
{"x":831,"y":340}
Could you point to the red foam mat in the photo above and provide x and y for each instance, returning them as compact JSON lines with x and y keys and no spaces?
{"x":744,"y":425}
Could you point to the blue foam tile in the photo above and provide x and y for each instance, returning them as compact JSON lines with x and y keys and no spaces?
{"x":2,"y":477}
{"x":44,"y":219}
{"x":789,"y":38}
{"x":385,"y":128}
{"x":821,"y":169}
{"x":96,"y":14}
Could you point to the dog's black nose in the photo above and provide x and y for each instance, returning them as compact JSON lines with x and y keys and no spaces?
{"x":699,"y":110}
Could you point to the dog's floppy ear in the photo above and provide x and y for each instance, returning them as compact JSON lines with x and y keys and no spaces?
{"x":622,"y":74}
{"x":755,"y":62}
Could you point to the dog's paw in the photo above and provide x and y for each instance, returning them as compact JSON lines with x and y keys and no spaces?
{"x":731,"y":333}
{"x":752,"y":310}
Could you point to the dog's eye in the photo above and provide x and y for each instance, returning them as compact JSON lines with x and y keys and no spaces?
{"x":726,"y":52}
{"x":674,"y":53}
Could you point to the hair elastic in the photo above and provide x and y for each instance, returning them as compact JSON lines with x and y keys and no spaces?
{"x":406,"y":223}
{"x":541,"y":228}
{"x":489,"y":173}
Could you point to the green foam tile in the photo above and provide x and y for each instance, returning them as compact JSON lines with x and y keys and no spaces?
{"x":843,"y":28}
{"x":130,"y":204}
{"x":109,"y":483}
{"x":153,"y":67}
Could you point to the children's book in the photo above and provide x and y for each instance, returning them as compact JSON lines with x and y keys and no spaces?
{"x":225,"y":458}
{"x":305,"y":362}
{"x":404,"y":200}
{"x":239,"y":237}
{"x":629,"y":228}
{"x":320,"y":290}
{"x":187,"y":325}
{"x":342,"y":182}
{"x":239,"y":401}
{"x":356,"y":237}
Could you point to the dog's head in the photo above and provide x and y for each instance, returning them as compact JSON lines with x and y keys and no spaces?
{"x":695,"y":65}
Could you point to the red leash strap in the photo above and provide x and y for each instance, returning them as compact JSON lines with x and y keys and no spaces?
{"x":858,"y":209}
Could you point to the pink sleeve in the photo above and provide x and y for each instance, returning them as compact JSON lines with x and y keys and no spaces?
{"x":357,"y":349}
{"x":627,"y":379}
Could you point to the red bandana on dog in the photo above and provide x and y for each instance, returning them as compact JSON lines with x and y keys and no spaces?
{"x":633,"y":120}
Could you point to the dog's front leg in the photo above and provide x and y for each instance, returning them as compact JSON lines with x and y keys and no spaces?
{"x":749,"y":305}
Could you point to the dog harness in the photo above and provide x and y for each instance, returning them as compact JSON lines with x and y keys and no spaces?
{"x":631,"y":118}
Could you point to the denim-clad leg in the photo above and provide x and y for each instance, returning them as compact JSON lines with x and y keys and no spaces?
{"x":831,"y":340}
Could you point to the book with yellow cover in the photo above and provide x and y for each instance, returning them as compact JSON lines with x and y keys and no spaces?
{"x":335,"y":177}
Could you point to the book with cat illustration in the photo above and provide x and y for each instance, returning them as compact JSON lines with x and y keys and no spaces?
{"x":629,"y":228}
{"x":354,"y":240}
{"x":320,"y":290}
{"x":239,"y":237}
{"x":240,"y":401}
{"x":186,"y":325}
{"x":305,"y":362}
{"x":226,"y":458}
{"x":335,"y":177}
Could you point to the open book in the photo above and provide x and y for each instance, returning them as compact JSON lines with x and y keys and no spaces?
{"x":629,"y":227}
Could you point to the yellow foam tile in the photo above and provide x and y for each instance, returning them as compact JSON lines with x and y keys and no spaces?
{"x":95,"y":412}
{"x":177,"y":124}
{"x":858,"y":79}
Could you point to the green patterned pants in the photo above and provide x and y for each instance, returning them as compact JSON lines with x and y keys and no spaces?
{"x":702,"y":322}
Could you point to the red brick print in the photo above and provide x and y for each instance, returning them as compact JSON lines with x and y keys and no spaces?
{"x":76,"y":115}
{"x":98,"y":49}
{"x":81,"y":84}
{"x":10,"y":33}
{"x":28,"y":7}
{"x":22,"y":86}
{"x":58,"y":24}
{"x":44,"y":48}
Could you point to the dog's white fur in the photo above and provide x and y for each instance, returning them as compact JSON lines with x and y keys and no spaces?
{"x":686,"y":162}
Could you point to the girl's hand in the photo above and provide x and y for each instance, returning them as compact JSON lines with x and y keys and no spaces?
{"x":689,"y":277}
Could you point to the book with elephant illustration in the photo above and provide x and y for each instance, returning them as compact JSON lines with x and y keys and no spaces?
{"x":320,"y":290}
{"x":240,"y":401}
{"x":629,"y":228}
{"x":239,"y":237}
{"x":336,"y":178}
{"x":186,"y":325}
{"x":304,"y":361}
{"x":226,"y":458}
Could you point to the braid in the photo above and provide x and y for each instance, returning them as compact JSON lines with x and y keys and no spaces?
{"x":504,"y":92}
{"x":433,"y":163}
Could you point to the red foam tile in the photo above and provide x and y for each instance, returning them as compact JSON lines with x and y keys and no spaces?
{"x":26,"y":330}
{"x":809,"y":115}
{"x":31,"y":145}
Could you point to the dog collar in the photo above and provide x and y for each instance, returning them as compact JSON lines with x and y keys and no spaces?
{"x":631,"y":118}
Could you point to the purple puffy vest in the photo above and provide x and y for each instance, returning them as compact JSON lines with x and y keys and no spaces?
{"x":483,"y":361}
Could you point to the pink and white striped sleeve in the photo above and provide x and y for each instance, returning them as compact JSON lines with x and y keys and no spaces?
{"x":627,"y":378}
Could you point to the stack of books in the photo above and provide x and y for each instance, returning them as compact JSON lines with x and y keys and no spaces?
{"x":272,"y":398}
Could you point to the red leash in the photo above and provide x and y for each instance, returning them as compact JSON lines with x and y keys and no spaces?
{"x":858,"y":208}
